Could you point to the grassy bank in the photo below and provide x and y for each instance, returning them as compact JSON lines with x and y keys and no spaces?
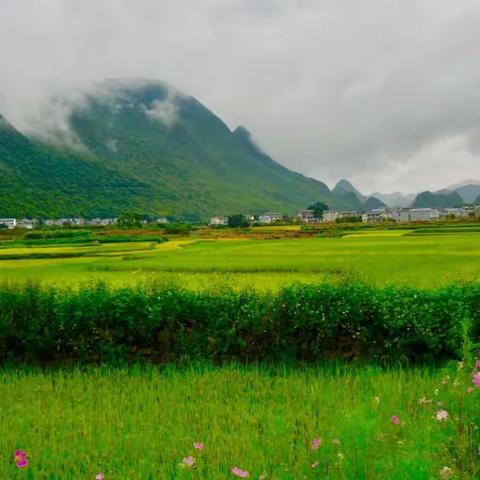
{"x":139,"y":424}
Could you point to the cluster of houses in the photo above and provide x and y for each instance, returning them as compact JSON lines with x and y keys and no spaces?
{"x":30,"y":224}
{"x":379,"y":215}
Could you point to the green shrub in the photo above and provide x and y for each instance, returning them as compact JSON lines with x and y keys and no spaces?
{"x":299,"y":323}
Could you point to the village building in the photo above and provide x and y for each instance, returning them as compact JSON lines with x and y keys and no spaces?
{"x":271,"y":218}
{"x":10,"y":223}
{"x":376,"y":216}
{"x":218,"y":221}
{"x":333,"y":216}
{"x":424,"y":214}
{"x":307,"y":216}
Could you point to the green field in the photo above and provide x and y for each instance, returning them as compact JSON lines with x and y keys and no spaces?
{"x":423,"y":258}
{"x":138,"y":424}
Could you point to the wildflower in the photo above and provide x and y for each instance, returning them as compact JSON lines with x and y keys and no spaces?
{"x":395,"y":420}
{"x":476,"y":379}
{"x":21,"y":458}
{"x":446,"y":473}
{"x":316,"y":443}
{"x":100,"y":476}
{"x":189,"y":462}
{"x":315,"y":464}
{"x":470,"y":390}
{"x":238,"y":472}
{"x":442,"y":415}
{"x":477,"y":365}
{"x":198,"y":446}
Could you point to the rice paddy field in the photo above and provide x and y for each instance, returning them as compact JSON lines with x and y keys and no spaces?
{"x":251,"y":422}
{"x":424,"y":258}
{"x":279,"y":422}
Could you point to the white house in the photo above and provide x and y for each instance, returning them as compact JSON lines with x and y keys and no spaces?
{"x":375,"y":216}
{"x":307,"y":216}
{"x":461,"y":212}
{"x":424,"y":214}
{"x":8,"y":222}
{"x":26,"y":223}
{"x":332,"y":216}
{"x":400,"y":215}
{"x":218,"y":221}
{"x":271,"y":218}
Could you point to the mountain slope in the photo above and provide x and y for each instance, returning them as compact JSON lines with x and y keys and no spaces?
{"x":149,"y":148}
{"x":36,"y":180}
{"x":437,"y":200}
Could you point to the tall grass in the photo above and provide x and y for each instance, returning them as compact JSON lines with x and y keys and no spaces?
{"x":139,"y":423}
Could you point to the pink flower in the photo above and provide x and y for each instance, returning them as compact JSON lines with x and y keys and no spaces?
{"x":476,"y":379}
{"x":477,"y":365}
{"x":442,"y":415}
{"x":395,"y":420}
{"x":238,"y":472}
{"x":189,"y":462}
{"x":21,"y":458}
{"x":316,"y":442}
{"x":100,"y":476}
{"x":198,"y":446}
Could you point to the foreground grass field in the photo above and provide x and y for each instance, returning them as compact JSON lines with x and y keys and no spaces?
{"x":141,"y":423}
{"x":424,"y":258}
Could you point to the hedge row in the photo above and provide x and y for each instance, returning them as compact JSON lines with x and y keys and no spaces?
{"x":41,"y":324}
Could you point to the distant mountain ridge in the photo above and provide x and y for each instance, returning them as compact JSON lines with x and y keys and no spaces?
{"x":353,"y":199}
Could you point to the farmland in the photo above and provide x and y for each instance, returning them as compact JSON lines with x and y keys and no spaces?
{"x":140,"y":423}
{"x":424,"y":258}
{"x":346,"y":354}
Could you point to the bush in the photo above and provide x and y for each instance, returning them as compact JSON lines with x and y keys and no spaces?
{"x":300,"y":323}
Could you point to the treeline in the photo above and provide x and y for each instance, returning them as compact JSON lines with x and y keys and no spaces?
{"x":48,"y":325}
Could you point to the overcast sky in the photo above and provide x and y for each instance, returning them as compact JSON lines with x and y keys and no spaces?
{"x":383,"y":92}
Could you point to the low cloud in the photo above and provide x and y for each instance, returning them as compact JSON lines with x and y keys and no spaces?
{"x":385,"y":94}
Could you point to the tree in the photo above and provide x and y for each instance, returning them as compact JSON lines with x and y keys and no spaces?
{"x":318,"y":208}
{"x":237,"y":221}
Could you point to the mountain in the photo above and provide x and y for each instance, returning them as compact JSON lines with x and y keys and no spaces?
{"x":437,"y":200}
{"x":468,"y":192}
{"x":354,"y":199}
{"x":395,"y":199}
{"x":143,"y":146}
{"x":36,"y":180}
{"x":372,"y":203}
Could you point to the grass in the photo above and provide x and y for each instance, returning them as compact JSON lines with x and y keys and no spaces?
{"x":139,"y":423}
{"x":375,"y":256}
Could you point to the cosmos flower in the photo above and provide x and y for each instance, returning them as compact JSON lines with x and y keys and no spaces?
{"x":100,"y":476}
{"x":395,"y":420}
{"x":199,"y":446}
{"x":476,"y":379}
{"x":316,"y":442}
{"x":189,"y":462}
{"x":442,"y":415}
{"x":21,"y":458}
{"x":238,"y":472}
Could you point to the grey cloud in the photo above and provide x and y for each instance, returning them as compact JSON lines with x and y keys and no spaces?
{"x":384,"y":92}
